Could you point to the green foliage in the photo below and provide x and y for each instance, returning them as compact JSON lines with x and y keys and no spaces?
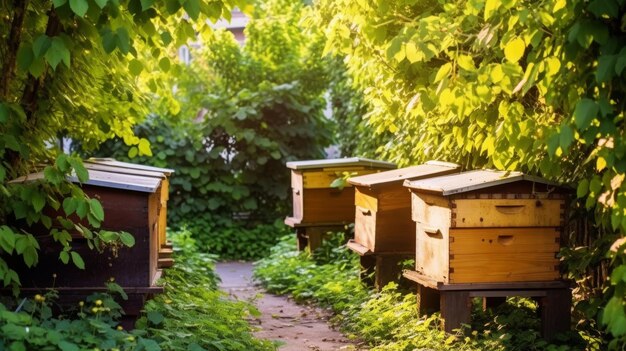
{"x":64,"y":74}
{"x":91,"y":324}
{"x":241,"y":113}
{"x":512,"y":85}
{"x":192,"y":314}
{"x":388,"y":320}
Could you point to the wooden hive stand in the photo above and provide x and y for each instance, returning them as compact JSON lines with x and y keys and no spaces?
{"x":489,"y":234}
{"x":317,"y":206}
{"x":384,"y":234}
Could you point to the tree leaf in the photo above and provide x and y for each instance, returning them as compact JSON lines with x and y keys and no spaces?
{"x":146,"y":4}
{"x":127,"y":239}
{"x":101,"y":3}
{"x":41,"y":45}
{"x":606,"y":68}
{"x":78,"y":261}
{"x":64,"y":257}
{"x":144,"y":147}
{"x":81,"y":172}
{"x":58,"y":3}
{"x":25,"y":57}
{"x":583,"y":188}
{"x":38,"y":201}
{"x":514,"y":50}
{"x":155,"y":317}
{"x":192,"y":7}
{"x":123,"y":40}
{"x":135,"y":67}
{"x":490,"y":8}
{"x":57,"y":53}
{"x":79,"y":7}
{"x":586,"y":110}
{"x":566,"y":137}
{"x":95,"y":208}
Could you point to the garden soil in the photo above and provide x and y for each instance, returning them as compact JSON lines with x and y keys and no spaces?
{"x":297,"y":327}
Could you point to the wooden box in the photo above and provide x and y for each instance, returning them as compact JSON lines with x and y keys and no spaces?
{"x":383,"y":221}
{"x":111,"y":165}
{"x":315,"y":202}
{"x":486,"y":227}
{"x":131,"y":200}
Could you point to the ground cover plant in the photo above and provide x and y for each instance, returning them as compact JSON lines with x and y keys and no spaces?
{"x":388,"y":320}
{"x":191,"y":315}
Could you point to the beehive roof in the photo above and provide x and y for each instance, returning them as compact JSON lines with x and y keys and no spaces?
{"x":340,"y":162}
{"x":145,"y":184}
{"x":101,"y":162}
{"x":427,"y":169}
{"x":472,"y":180}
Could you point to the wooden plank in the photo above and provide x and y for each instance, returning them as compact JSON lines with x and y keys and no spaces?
{"x":421,"y":279}
{"x":163,"y":198}
{"x":506,"y":293}
{"x":323,"y":179}
{"x":365,"y":198}
{"x":395,"y":231}
{"x":358,"y":248}
{"x":432,"y":236}
{"x":388,"y":269}
{"x":507,"y":213}
{"x":365,"y":228}
{"x":394,"y":197}
{"x":554,"y":284}
{"x":503,"y":267}
{"x":368,"y":270}
{"x":555,"y":310}
{"x":503,"y":240}
{"x":456,"y":307}
{"x":328,"y":205}
{"x":428,"y":300}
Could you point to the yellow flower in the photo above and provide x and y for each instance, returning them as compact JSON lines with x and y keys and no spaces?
{"x":94,"y":310}
{"x":81,"y":304}
{"x":39,"y":298}
{"x":119,"y":327}
{"x":98,"y":302}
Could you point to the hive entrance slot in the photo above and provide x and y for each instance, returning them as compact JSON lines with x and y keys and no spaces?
{"x":505,"y":239}
{"x":510,"y":209}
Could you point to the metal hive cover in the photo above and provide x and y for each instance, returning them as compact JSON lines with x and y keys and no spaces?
{"x":113,"y":162}
{"x":472,"y":180}
{"x":340,"y":162}
{"x":107,"y":180}
{"x":427,"y":169}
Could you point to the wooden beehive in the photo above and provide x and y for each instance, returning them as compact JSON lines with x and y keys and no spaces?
{"x":486,"y":227}
{"x":111,"y":165}
{"x":383,"y":221}
{"x":315,"y":202}
{"x":131,"y":203}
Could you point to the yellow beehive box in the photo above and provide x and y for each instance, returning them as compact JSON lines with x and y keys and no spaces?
{"x":486,"y":227}
{"x":315,"y":202}
{"x":383,"y":221}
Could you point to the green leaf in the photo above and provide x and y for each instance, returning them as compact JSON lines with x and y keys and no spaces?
{"x":606,"y":68}
{"x":566,"y":137}
{"x":101,"y":3}
{"x":82,"y":208}
{"x":192,"y":7}
{"x":37,"y":67}
{"x":79,"y":7}
{"x":7,"y":239}
{"x":586,"y":110}
{"x":144,"y":147}
{"x":108,"y":236}
{"x":81,"y":172}
{"x":70,"y":205}
{"x":25,"y":57}
{"x":78,"y":261}
{"x":95,"y":208}
{"x":412,"y":53}
{"x":155,"y":317}
{"x":123,"y":40}
{"x":443,"y":72}
{"x":41,"y":45}
{"x":164,"y":64}
{"x":491,"y":6}
{"x":135,"y":67}
{"x":583,"y":188}
{"x":127,"y":239}
{"x":601,"y":8}
{"x":514,"y":50}
{"x":146,"y":4}
{"x":132,"y":152}
{"x":109,"y":41}
{"x":38,"y":201}
{"x":64,"y":257}
{"x":30,"y":256}
{"x":57,"y":53}
{"x":66,"y":345}
{"x":58,"y":3}
{"x":166,"y":38}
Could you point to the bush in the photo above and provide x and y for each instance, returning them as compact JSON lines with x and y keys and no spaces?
{"x":388,"y":320}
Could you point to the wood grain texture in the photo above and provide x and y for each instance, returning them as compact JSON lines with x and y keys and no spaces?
{"x":507,"y":213}
{"x":489,"y":241}
{"x":365,"y":228}
{"x":431,"y":250}
{"x":328,"y":205}
{"x":366,"y":198}
{"x":503,"y":267}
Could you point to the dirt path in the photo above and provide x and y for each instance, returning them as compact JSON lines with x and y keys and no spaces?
{"x":301,"y":328}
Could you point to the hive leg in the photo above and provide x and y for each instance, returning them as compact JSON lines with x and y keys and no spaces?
{"x":387,"y":269}
{"x":428,"y":300}
{"x":368,"y":268}
{"x":555,"y":310}
{"x":493,"y":302}
{"x":455,"y":309}
{"x":301,"y":238}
